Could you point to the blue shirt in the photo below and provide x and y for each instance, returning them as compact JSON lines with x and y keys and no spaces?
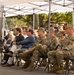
{"x":28,"y":42}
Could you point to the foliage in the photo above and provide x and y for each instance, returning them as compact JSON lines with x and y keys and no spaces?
{"x":60,"y":17}
{"x":40,"y":19}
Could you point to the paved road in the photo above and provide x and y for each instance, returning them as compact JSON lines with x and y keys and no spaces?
{"x":15,"y":70}
{"x":19,"y":71}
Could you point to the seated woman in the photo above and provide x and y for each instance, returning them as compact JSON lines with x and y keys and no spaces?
{"x":18,"y":37}
{"x":7,"y":44}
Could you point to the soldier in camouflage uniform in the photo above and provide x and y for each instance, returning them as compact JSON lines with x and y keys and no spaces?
{"x":61,"y":37}
{"x":53,"y":43}
{"x":68,"y":43}
{"x":38,"y":49}
{"x":66,"y":47}
{"x":69,"y":40}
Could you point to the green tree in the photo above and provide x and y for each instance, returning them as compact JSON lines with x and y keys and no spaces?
{"x":40,"y":19}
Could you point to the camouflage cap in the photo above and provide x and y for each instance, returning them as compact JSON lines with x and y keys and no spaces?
{"x":52,"y":29}
{"x":69,"y":27}
{"x":61,"y":32}
{"x":41,"y":29}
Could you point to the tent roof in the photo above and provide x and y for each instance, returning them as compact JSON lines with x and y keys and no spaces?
{"x":14,"y":2}
{"x":20,"y":7}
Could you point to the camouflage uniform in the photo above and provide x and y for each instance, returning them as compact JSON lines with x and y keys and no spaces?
{"x":66,"y":49}
{"x":67,"y":46}
{"x":59,"y":54}
{"x":40,"y":49}
{"x":54,"y":42}
{"x":39,"y":46}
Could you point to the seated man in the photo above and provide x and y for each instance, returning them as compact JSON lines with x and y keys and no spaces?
{"x":53,"y":45}
{"x":66,"y":46}
{"x":65,"y":50}
{"x":38,"y":49}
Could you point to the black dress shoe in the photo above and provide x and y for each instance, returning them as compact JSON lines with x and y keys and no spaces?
{"x":7,"y":65}
{"x":3,"y":62}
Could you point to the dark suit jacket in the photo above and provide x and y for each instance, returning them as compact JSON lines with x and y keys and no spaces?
{"x":19,"y":38}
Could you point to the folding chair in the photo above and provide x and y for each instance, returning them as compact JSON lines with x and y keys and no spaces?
{"x":69,"y":63}
{"x":39,"y":63}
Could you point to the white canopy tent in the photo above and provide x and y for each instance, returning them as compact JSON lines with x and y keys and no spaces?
{"x":20,"y":7}
{"x":15,"y":2}
{"x":38,"y":7}
{"x":14,"y":8}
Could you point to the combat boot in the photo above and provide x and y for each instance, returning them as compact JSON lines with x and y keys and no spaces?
{"x":27,"y":64}
{"x":30,"y":68}
{"x":54,"y":69}
{"x":60,"y":70}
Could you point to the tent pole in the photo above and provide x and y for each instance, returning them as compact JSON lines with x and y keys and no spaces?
{"x":4,"y":22}
{"x":1,"y":25}
{"x":73,"y":18}
{"x":33,"y":19}
{"x":1,"y":19}
{"x":49,"y":22}
{"x":73,"y":15}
